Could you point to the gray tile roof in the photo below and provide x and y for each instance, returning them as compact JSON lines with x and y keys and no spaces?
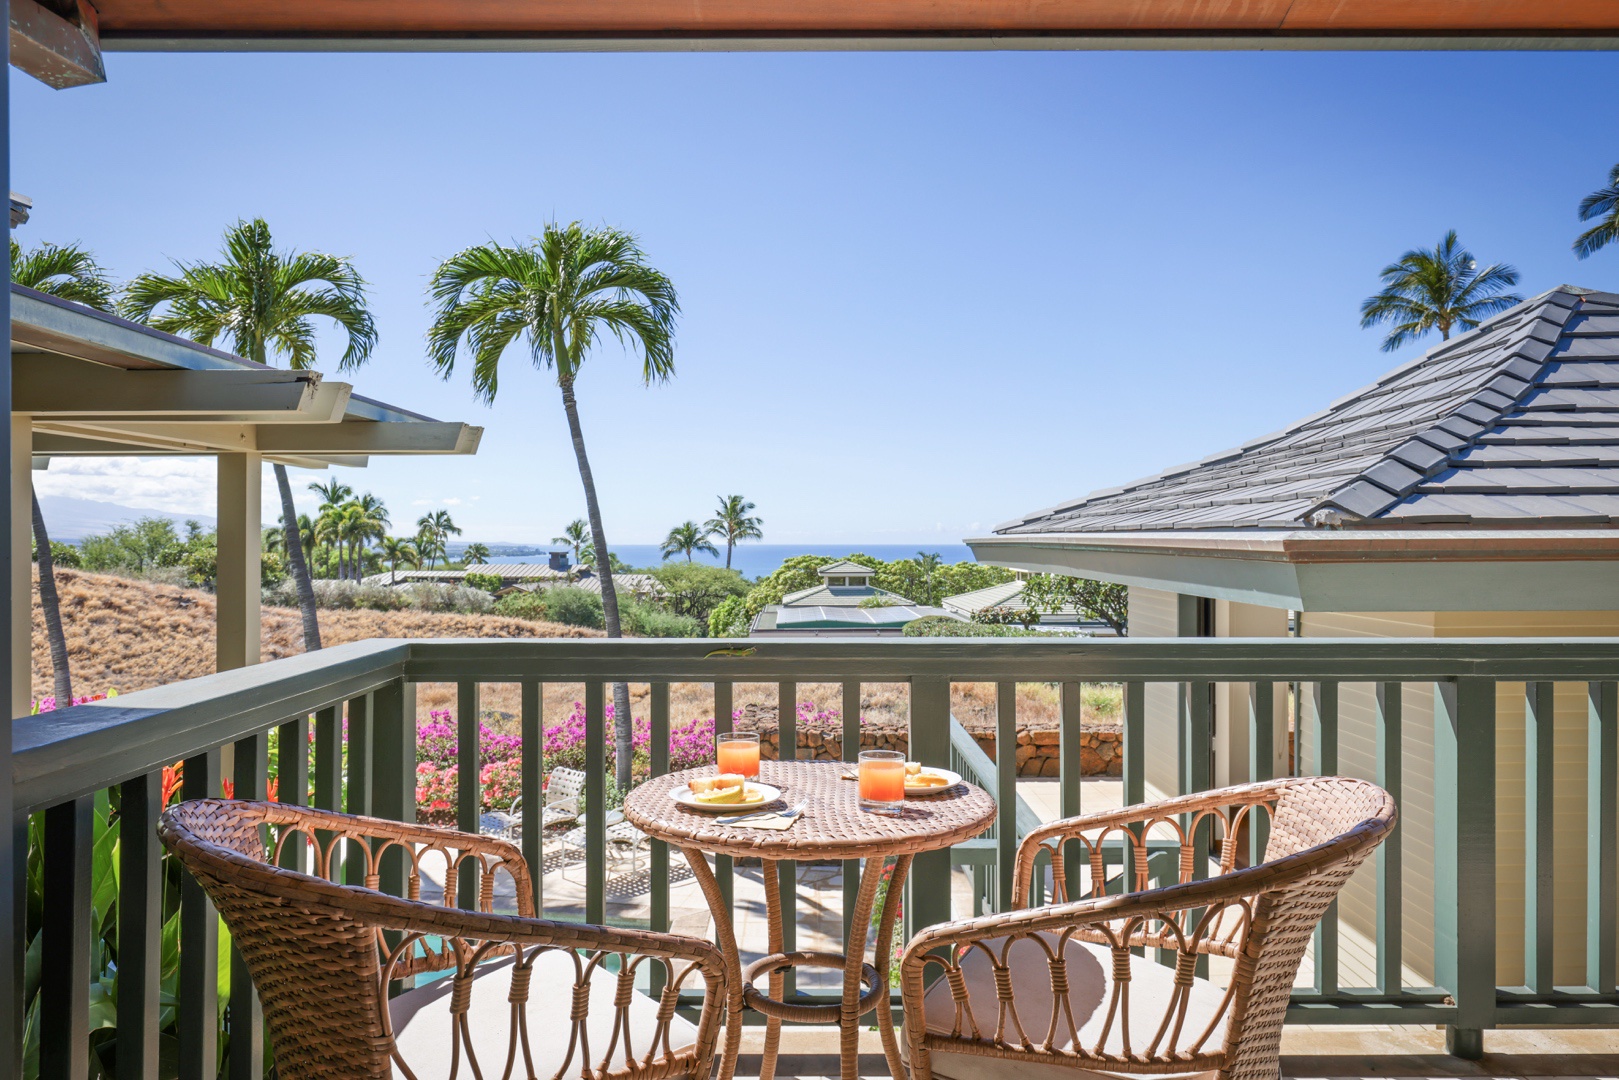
{"x":1514,"y":424}
{"x":838,"y":596}
{"x":844,"y":568}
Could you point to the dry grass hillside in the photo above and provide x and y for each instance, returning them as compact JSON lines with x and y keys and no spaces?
{"x":129,"y":635}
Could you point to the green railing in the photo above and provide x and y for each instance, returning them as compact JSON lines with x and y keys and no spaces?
{"x":64,"y":761}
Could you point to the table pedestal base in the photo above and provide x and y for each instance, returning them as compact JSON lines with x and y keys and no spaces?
{"x":858,"y":976}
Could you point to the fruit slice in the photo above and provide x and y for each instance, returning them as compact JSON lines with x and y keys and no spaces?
{"x":726,"y":788}
{"x":926,"y":780}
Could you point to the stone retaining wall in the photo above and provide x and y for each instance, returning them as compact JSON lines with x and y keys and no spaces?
{"x":1101,"y":749}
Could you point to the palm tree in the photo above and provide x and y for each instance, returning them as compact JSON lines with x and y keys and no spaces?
{"x":475,"y":555}
{"x":731,"y":521}
{"x":429,"y":547}
{"x":686,"y":537}
{"x":371,"y":524}
{"x":576,"y":536}
{"x":396,"y":550}
{"x":929,"y":561}
{"x":263,"y":303}
{"x":65,"y":271}
{"x":432,"y":531}
{"x":1442,"y":288}
{"x":68,"y":272}
{"x":559,"y":292}
{"x":1601,"y":206}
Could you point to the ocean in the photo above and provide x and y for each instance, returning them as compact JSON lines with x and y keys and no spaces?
{"x":758,"y":560}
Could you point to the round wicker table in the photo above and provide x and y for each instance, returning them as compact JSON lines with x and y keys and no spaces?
{"x":832,"y":827}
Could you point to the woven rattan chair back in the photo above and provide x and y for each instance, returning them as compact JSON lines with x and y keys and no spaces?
{"x":322,"y":954}
{"x":1259,"y":918}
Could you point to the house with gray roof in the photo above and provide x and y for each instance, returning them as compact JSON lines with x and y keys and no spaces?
{"x":1472,"y":492}
{"x":1007,"y":598}
{"x":845,"y":602}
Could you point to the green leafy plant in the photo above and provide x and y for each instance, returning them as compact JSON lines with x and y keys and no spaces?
{"x":489,"y":583}
{"x":574,"y":607}
{"x":1441,"y":289}
{"x":1103,"y":600}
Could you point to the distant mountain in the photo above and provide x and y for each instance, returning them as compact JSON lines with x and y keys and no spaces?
{"x":71,"y":520}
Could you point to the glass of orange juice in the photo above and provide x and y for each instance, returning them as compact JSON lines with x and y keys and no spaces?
{"x":738,"y":752}
{"x":882,"y":781}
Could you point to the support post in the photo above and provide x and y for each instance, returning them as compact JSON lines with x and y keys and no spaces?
{"x":1602,"y":839}
{"x":1539,"y":858}
{"x":22,"y":567}
{"x":928,"y":889}
{"x":1464,"y":845}
{"x":240,"y":480}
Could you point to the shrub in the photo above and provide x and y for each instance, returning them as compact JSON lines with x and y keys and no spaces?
{"x":420,"y":596}
{"x":944,"y":626}
{"x":489,"y":583}
{"x":574,"y":607}
{"x":696,"y":589}
{"x":641,"y":619}
{"x":523,"y":605}
{"x":729,"y":619}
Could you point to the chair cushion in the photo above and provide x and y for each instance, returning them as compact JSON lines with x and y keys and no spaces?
{"x":1090,"y":990}
{"x":421,"y":1020}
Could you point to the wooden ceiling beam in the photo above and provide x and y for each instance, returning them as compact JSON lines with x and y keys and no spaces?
{"x":58,"y":51}
{"x":764,"y":24}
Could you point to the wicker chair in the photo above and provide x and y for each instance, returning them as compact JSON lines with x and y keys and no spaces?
{"x":322,"y":955}
{"x":1112,"y":981}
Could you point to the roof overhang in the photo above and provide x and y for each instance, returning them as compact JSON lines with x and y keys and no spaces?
{"x":1341,"y":570}
{"x":97,"y":385}
{"x":839,"y":24}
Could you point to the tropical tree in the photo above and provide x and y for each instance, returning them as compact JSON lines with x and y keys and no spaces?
{"x":576,"y":536}
{"x":264,"y":304}
{"x":433,"y":532}
{"x":929,"y":562}
{"x":560,"y":293}
{"x":370,"y":523}
{"x":732,"y":522}
{"x":1442,"y":289}
{"x":1601,"y":206}
{"x":686,"y":537}
{"x":65,"y":271}
{"x":68,"y":272}
{"x":475,"y":555}
{"x":395,"y":550}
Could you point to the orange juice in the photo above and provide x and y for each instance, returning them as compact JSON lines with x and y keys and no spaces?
{"x":882,"y":781}
{"x":738,"y":755}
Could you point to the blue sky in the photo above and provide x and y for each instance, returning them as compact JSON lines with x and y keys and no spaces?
{"x":922,"y":292}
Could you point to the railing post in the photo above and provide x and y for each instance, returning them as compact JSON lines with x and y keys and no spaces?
{"x":1006,"y":790}
{"x":393,"y":745}
{"x":787,"y":869}
{"x":595,"y":803}
{"x":928,"y":891}
{"x":292,"y":782}
{"x":1135,"y":739}
{"x":199,"y":947}
{"x":1390,"y":874}
{"x":1601,"y":858}
{"x":658,"y":751}
{"x":723,"y":865}
{"x":251,"y":766}
{"x":1464,"y":846}
{"x":1261,"y":760}
{"x":64,"y":985}
{"x":359,"y":781}
{"x":140,"y":926}
{"x":850,"y":744}
{"x":1070,"y":773}
{"x":533,"y":783}
{"x":1539,"y":855}
{"x":1326,"y":764}
{"x":469,"y":787}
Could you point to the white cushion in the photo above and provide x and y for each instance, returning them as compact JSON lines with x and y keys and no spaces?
{"x":421,"y":1020}
{"x":1090,"y":990}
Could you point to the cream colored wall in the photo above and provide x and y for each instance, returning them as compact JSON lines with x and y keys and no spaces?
{"x":1357,"y":749}
{"x":1357,"y":756}
{"x":1568,"y":790}
{"x":1231,"y":699}
{"x":1154,"y":613}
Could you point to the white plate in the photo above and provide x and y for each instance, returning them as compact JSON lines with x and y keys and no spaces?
{"x":755,"y":796}
{"x":929,"y":792}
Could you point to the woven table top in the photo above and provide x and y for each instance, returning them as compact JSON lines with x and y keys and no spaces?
{"x":833,"y":825}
